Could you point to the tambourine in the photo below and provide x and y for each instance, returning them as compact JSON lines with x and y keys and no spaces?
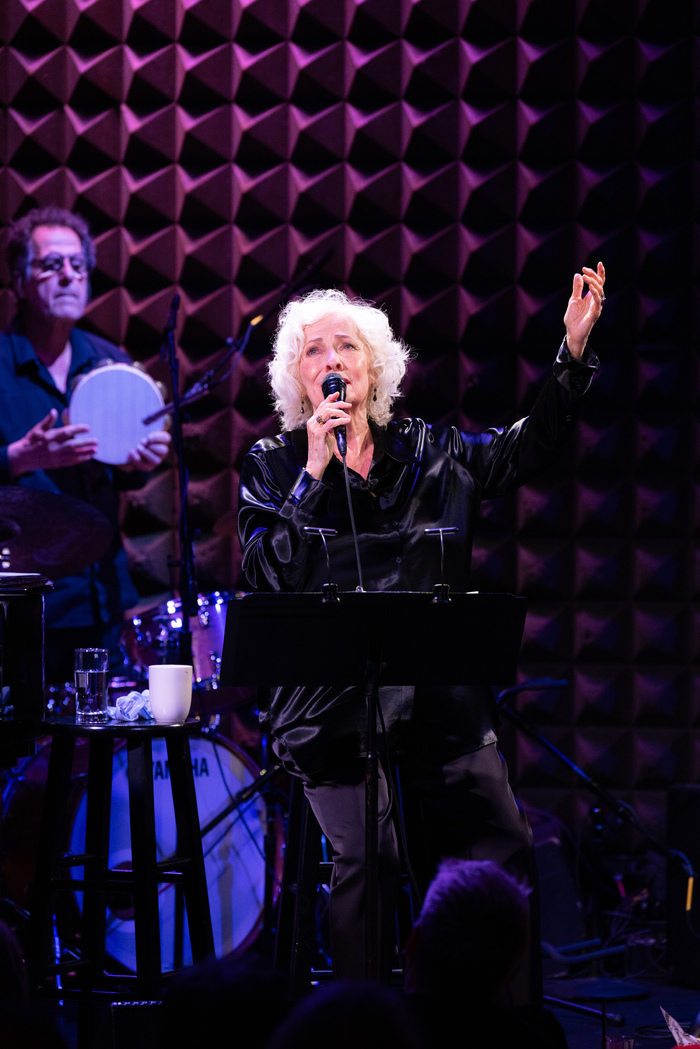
{"x":113,"y":401}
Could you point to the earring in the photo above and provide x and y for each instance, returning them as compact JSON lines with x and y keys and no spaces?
{"x":301,"y":410}
{"x":375,"y":394}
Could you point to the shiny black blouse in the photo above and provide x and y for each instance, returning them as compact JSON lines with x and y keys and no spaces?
{"x":422,"y":476}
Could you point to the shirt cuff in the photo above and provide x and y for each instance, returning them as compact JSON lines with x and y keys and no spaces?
{"x":301,"y":487}
{"x":575,"y":375}
{"x":589,"y":357}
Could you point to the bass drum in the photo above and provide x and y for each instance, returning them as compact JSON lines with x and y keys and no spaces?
{"x":234,"y":846}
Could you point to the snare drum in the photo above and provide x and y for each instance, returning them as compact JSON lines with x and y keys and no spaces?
{"x":234,"y":847}
{"x":152,"y":636}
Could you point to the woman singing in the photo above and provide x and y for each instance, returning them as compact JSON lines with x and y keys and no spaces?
{"x":405,"y":476}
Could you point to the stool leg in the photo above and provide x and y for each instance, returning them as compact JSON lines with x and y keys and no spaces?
{"x":99,"y":806}
{"x":143,"y":857}
{"x":189,"y":844}
{"x":40,"y":930}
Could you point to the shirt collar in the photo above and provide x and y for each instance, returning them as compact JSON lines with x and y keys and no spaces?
{"x":82,"y":357}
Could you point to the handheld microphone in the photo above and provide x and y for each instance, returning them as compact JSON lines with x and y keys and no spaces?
{"x":335,"y":383}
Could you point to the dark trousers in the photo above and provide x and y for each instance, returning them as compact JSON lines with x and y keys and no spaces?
{"x":464,"y":808}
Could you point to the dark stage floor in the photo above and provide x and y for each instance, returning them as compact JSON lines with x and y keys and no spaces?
{"x":642,"y":1018}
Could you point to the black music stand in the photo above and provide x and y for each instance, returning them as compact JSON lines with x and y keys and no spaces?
{"x":373,"y":639}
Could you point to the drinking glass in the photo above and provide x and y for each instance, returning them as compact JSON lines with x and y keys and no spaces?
{"x":91,"y":681}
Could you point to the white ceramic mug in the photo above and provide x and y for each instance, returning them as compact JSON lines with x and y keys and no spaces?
{"x":170,"y":691}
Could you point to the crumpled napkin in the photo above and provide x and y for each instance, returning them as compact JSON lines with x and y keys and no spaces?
{"x":131,"y":707}
{"x":677,"y":1031}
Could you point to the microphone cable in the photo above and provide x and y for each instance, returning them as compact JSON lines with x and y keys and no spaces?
{"x":335,"y":383}
{"x":360,"y":587}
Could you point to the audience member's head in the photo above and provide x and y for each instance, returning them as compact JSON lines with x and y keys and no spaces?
{"x":348,"y":1015}
{"x":472,"y":934}
{"x":242,"y":995}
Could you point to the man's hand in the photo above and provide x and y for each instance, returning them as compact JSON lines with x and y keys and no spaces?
{"x":47,"y":447}
{"x":149,"y":453}
{"x":584,"y":310}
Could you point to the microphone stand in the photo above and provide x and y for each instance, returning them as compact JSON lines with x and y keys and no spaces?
{"x":623,"y":811}
{"x":594,"y":988}
{"x":213,"y":377}
{"x":235,"y":347}
{"x":185,"y":563}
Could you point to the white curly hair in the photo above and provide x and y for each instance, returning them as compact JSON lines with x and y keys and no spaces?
{"x":388,"y":356}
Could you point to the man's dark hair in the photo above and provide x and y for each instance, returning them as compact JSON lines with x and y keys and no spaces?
{"x":19,"y":244}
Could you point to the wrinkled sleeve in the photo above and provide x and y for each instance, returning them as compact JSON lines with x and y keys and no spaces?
{"x":271,"y":520}
{"x":503,"y":458}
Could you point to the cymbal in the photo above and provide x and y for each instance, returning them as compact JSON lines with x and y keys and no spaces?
{"x":54,"y":535}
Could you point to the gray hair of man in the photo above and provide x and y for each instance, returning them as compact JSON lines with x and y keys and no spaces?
{"x":387,"y":355}
{"x":473,"y":931}
{"x":19,"y":242}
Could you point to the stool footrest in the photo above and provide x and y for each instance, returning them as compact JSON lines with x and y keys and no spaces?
{"x":74,"y":859}
{"x":109,"y":987}
{"x":175,"y":866}
{"x":119,"y":881}
{"x":56,"y":968}
{"x":89,"y":884}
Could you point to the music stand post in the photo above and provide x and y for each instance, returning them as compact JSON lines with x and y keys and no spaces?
{"x":391,"y":638}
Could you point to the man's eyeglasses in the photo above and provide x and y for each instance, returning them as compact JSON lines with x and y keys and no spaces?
{"x":54,"y":263}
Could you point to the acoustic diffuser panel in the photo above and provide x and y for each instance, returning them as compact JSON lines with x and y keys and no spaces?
{"x":457,"y":161}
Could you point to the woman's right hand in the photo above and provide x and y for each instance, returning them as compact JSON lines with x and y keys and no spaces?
{"x":319,"y":430}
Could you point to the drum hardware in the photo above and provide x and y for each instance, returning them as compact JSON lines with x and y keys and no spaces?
{"x":49,"y":534}
{"x":153,"y":636}
{"x":243,"y":795}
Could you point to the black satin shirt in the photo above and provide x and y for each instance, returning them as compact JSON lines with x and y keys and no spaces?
{"x":422,"y":476}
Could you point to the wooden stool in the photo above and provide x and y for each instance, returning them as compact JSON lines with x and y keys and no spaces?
{"x":91,"y":984}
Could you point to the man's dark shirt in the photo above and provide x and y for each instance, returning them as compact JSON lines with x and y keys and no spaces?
{"x":101,"y":592}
